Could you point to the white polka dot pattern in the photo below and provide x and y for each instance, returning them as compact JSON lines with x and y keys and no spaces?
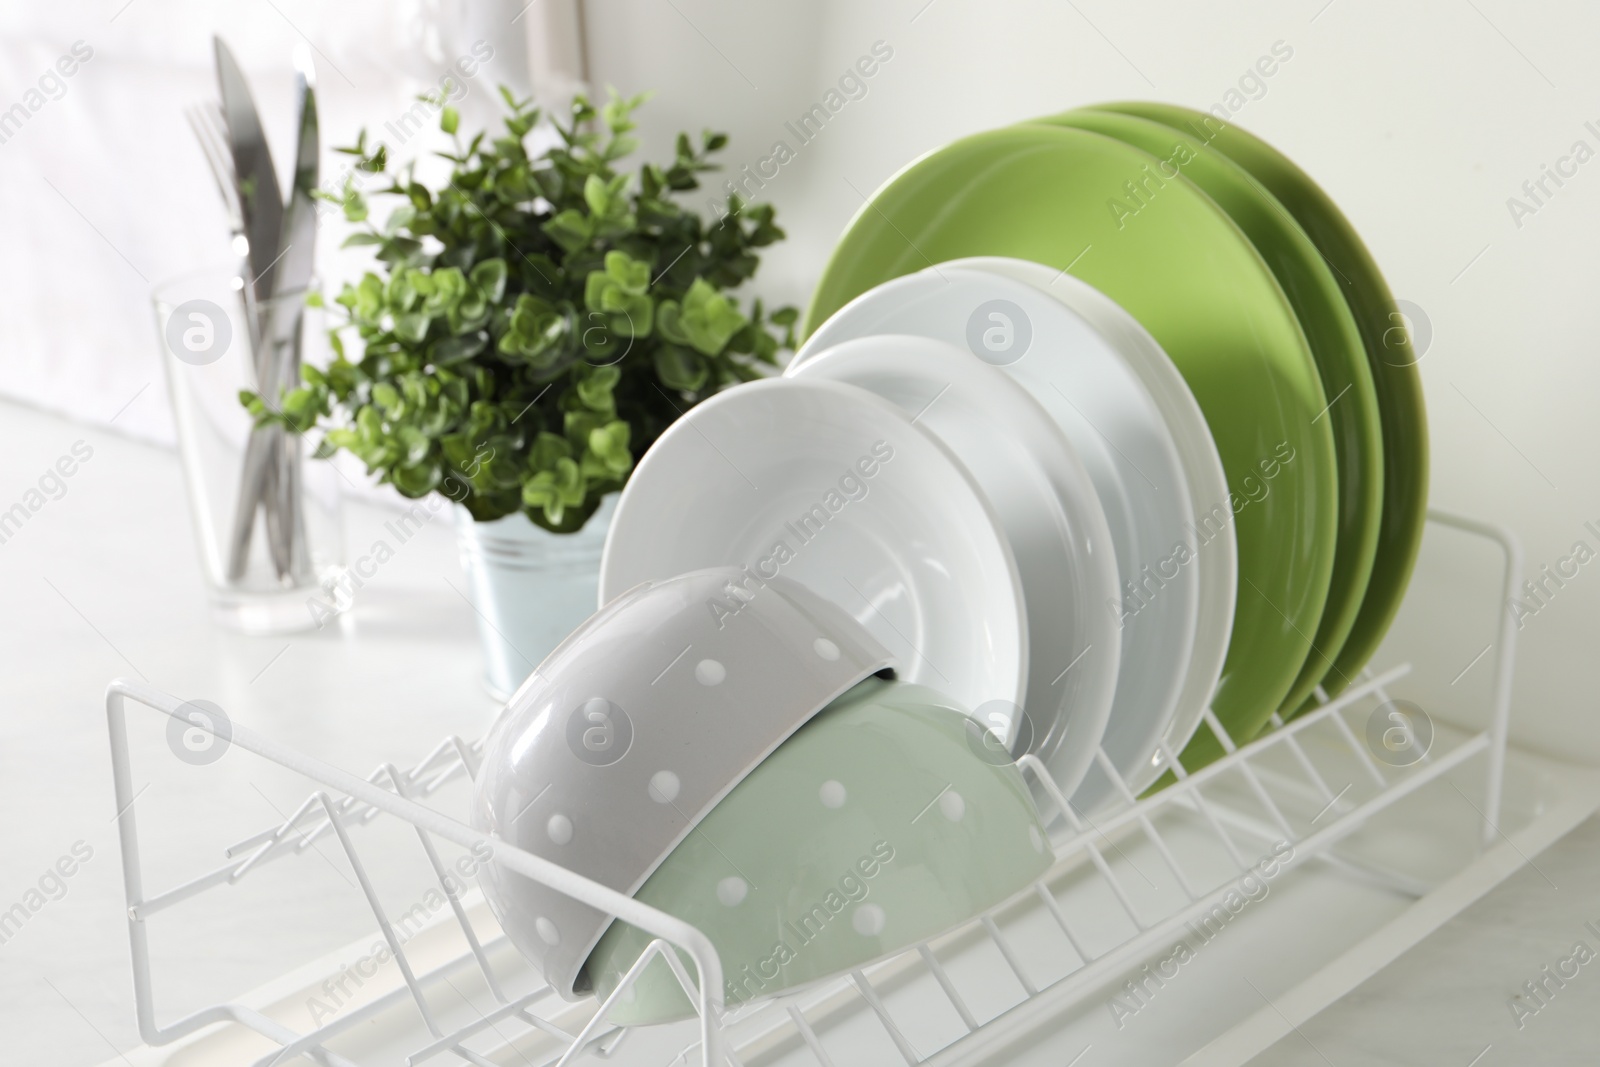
{"x":664,"y":786}
{"x":868,"y":920}
{"x":952,"y":806}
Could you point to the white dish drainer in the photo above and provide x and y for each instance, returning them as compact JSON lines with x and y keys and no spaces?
{"x":1279,"y":788}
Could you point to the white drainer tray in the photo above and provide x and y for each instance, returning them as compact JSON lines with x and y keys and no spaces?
{"x":1366,"y":859}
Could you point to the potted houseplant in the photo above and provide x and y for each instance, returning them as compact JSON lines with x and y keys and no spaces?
{"x":531,"y":325}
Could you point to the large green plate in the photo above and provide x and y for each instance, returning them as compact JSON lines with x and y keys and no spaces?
{"x":1335,"y":343}
{"x":1187,"y":273}
{"x":1389,"y":354}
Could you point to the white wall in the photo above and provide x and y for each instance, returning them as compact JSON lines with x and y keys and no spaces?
{"x":107,"y":193}
{"x":1420,"y":120}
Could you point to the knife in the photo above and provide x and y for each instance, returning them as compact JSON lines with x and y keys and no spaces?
{"x":298,"y":240}
{"x":294,"y":270}
{"x":261,"y":201}
{"x":259,"y":194}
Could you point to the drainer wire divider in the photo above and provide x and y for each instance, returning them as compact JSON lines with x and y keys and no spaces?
{"x":355,"y":801}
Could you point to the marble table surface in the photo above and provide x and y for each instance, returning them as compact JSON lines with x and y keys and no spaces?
{"x":103,"y":582}
{"x":1459,"y":997}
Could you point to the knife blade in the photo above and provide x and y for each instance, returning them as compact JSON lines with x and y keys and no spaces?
{"x":259,"y":193}
{"x":298,"y":241}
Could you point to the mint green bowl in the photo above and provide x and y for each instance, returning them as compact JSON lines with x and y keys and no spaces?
{"x":881,"y":823}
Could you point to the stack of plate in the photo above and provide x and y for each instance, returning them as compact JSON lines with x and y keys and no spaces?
{"x":1102,"y":420}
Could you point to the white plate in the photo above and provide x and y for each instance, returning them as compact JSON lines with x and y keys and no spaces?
{"x":1113,"y":423}
{"x":1049,"y":512}
{"x":1202,"y":467}
{"x":836,"y":489}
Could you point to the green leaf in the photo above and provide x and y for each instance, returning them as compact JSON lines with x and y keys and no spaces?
{"x":594,"y":389}
{"x":548,"y":449}
{"x":405,"y":288}
{"x":555,"y":489}
{"x":490,"y":278}
{"x":708,"y":318}
{"x":400,"y":250}
{"x":536,"y":328}
{"x":630,"y":275}
{"x":387,"y":397}
{"x":617,"y":295}
{"x":254,"y":405}
{"x":416,"y":480}
{"x":413,"y":443}
{"x":367,"y":300}
{"x":680,"y":368}
{"x":597,"y":194}
{"x":571,"y":229}
{"x":412,"y":326}
{"x":449,"y":119}
{"x":669,"y":322}
{"x":399,"y":219}
{"x":446,"y":288}
{"x":617,"y":112}
{"x":608,"y":455}
{"x":621,"y":147}
{"x":455,"y":349}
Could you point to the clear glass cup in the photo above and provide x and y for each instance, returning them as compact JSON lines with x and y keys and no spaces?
{"x":266,"y":516}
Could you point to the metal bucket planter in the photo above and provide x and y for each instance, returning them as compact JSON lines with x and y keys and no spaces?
{"x":530,"y":587}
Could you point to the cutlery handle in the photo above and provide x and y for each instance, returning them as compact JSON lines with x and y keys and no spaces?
{"x":273,"y":504}
{"x":300,"y":563}
{"x":251,"y":485}
{"x":257,"y":477}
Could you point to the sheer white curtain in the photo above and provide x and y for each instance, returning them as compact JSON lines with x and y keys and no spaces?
{"x":103,"y":192}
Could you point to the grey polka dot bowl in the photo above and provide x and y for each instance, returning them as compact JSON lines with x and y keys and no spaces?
{"x":878,"y":825}
{"x":636,"y":726}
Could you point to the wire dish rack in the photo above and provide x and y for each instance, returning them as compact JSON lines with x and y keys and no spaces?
{"x":1097,"y":939}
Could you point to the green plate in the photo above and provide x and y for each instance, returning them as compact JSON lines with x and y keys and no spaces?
{"x":1389,"y":354}
{"x":884,"y":821}
{"x":1335,"y":343}
{"x":1184,"y":270}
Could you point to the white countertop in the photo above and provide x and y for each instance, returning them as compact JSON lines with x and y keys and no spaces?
{"x":104,"y":582}
{"x":1449,"y":1000}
